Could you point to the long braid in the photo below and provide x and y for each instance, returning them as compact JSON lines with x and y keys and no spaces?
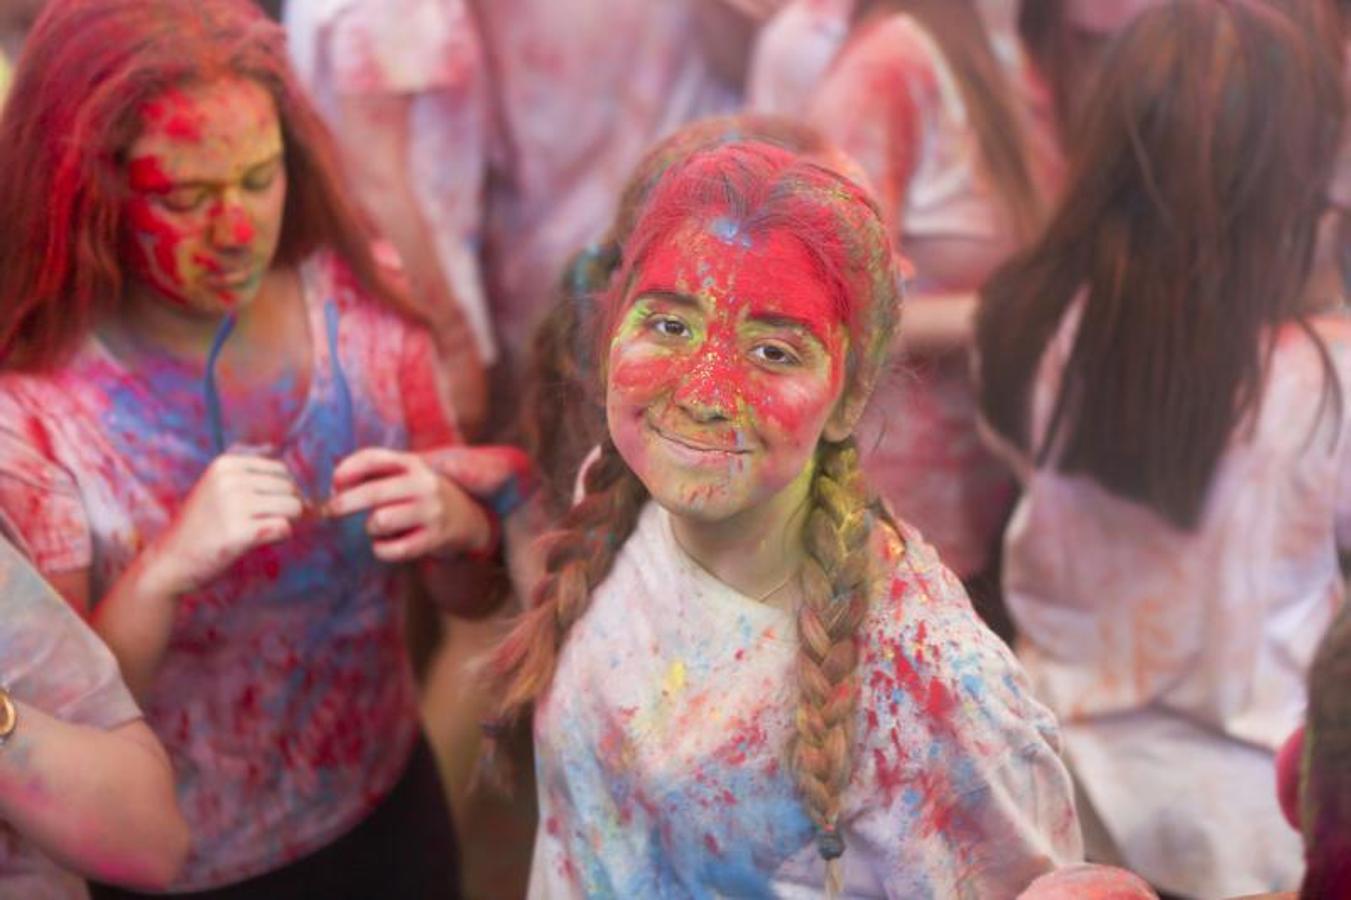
{"x":836,"y":582}
{"x":580,"y":555}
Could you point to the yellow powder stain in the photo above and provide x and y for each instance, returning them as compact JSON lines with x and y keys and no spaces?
{"x":674,"y":682}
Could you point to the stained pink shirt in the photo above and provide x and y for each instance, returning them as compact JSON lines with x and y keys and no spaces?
{"x":892,"y":103}
{"x":285,"y":698}
{"x":1177,"y":660}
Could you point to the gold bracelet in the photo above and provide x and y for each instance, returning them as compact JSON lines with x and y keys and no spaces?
{"x":9,"y":716}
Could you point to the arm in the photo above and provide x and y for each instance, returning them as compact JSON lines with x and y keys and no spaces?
{"x":239,"y":503}
{"x":373,"y":130}
{"x":937,"y":324}
{"x":99,"y":802}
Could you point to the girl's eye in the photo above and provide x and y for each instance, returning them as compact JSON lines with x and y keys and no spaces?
{"x":667,"y":326}
{"x":186,"y":199}
{"x":261,"y":179}
{"x":775,"y":354}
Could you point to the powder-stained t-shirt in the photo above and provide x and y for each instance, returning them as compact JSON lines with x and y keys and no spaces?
{"x":661,"y":744}
{"x":285,"y":698}
{"x":892,"y":102}
{"x":52,"y":661}
{"x":431,"y":52}
{"x":1177,"y":660}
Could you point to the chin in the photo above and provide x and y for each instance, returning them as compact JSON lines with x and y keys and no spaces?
{"x":707,"y":503}
{"x":220,"y":303}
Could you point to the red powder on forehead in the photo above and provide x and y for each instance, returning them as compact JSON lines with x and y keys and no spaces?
{"x":779,"y":281}
{"x":174,"y":114}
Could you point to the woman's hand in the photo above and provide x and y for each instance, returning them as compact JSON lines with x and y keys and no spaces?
{"x":414,"y":510}
{"x":239,"y":503}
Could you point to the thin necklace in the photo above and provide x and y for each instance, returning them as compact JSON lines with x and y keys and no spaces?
{"x":781,"y":585}
{"x":763,"y":597}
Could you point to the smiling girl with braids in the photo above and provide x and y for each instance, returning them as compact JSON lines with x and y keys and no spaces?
{"x":761,"y":670}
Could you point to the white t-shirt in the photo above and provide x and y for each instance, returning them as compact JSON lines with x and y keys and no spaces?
{"x":52,"y":661}
{"x":1175,"y":660}
{"x":661,"y":746}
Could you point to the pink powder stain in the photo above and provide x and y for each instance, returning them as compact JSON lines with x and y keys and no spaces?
{"x":889,"y":774}
{"x":712,"y":844}
{"x":746,"y":738}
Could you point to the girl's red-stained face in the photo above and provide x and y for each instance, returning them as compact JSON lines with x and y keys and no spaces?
{"x":725,"y":369}
{"x":206,"y":188}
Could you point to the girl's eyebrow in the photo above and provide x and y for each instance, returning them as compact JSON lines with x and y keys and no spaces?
{"x":782,"y":320}
{"x":673,"y":297}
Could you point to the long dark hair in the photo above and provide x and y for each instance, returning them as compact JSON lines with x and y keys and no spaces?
{"x":1188,"y":227}
{"x":86,"y":70}
{"x":958,"y":30}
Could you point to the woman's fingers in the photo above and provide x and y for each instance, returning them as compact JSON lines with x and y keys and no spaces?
{"x":408,"y":546}
{"x":370,"y":494}
{"x":271,"y":530}
{"x":367,"y":464}
{"x":396,"y":518}
{"x":284,"y":506}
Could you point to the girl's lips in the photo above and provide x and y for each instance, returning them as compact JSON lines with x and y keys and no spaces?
{"x":697,"y":445}
{"x":231,"y":279}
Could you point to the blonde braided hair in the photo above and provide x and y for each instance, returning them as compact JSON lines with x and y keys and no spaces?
{"x":837,"y":582}
{"x":580,"y":554}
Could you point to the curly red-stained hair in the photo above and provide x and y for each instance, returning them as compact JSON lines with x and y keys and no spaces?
{"x":86,"y":71}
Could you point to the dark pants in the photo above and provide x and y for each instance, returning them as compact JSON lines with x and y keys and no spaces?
{"x":404,"y":850}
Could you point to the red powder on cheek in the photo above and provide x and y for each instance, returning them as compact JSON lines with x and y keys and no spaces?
{"x":153,"y":247}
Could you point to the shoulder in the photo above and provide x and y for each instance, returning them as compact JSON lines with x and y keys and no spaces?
{"x":331,"y":282}
{"x":934,"y":676}
{"x":1298,"y":365}
{"x":34,"y":406}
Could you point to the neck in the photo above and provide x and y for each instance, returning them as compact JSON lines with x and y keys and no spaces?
{"x":758,"y":550}
{"x":149,"y":320}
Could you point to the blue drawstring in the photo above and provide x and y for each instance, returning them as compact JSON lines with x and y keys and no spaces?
{"x":213,"y":413}
{"x":346,"y":414}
